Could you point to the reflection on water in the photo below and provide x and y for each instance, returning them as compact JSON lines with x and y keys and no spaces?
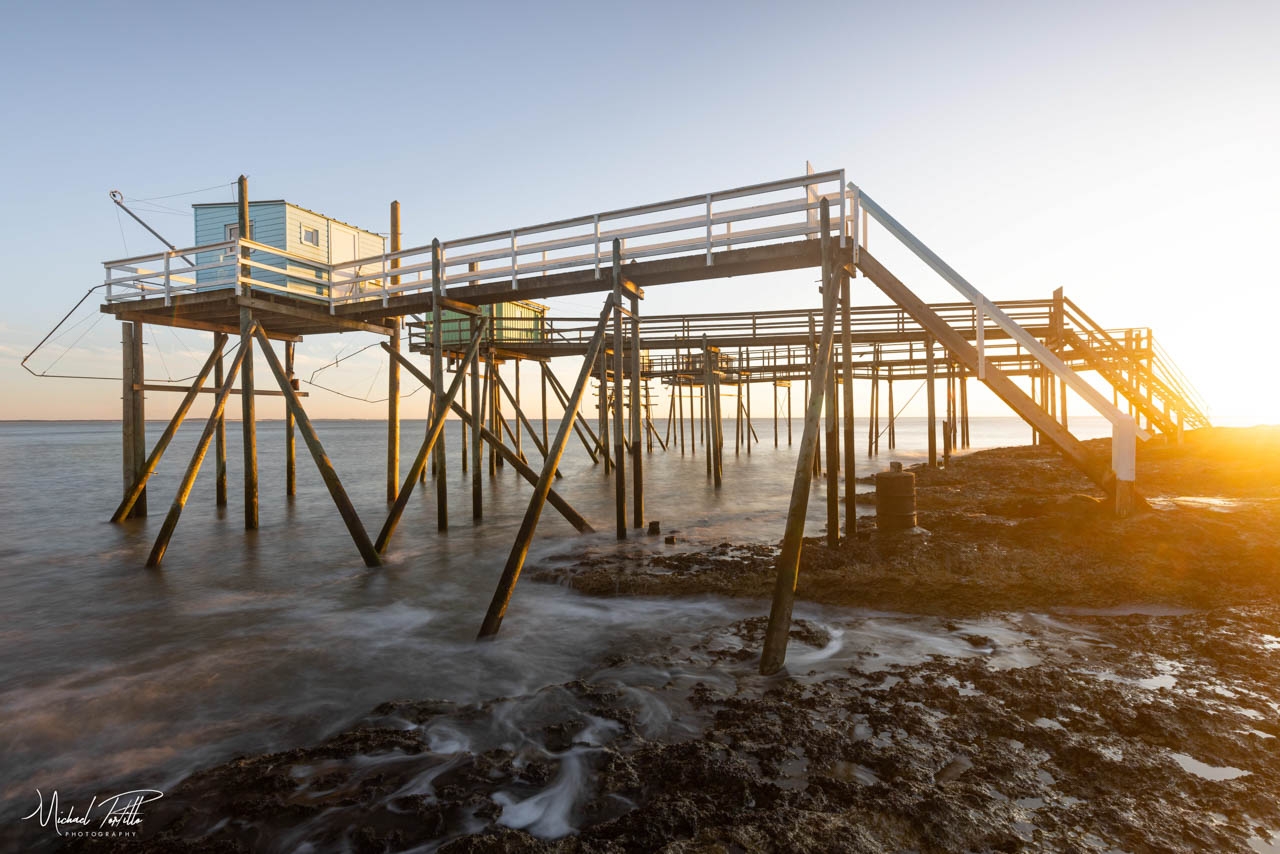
{"x":252,"y":642}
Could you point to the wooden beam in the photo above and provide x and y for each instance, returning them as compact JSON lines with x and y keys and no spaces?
{"x":520,"y":549}
{"x":179,"y":322}
{"x":348,"y":512}
{"x":320,"y":318}
{"x":263,"y":392}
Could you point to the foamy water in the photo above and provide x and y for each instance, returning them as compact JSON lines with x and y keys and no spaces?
{"x":112,"y":674}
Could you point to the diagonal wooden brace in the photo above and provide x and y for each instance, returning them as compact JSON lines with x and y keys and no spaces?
{"x":428,"y":443}
{"x":573,"y":517}
{"x":327,"y":473}
{"x":148,"y":468}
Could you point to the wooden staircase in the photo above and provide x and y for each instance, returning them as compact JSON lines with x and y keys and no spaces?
{"x":967,"y":355}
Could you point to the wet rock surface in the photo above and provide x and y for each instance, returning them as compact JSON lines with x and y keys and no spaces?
{"x":1040,"y":734}
{"x":1051,"y":678}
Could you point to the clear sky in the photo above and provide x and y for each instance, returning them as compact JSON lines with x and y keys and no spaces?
{"x":1126,"y":151}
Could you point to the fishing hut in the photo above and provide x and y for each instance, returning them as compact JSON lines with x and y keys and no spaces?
{"x":269,"y":274}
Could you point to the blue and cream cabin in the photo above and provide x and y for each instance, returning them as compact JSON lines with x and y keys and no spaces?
{"x":302,"y":233}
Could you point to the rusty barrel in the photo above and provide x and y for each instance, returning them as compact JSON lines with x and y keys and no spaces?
{"x":895,"y":499}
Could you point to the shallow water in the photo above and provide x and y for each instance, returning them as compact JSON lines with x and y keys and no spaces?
{"x":247,"y":643}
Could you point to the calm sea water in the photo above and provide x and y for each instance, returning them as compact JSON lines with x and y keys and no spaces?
{"x":112,"y":674}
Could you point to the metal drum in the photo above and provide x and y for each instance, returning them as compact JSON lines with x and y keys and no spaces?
{"x":895,"y":499}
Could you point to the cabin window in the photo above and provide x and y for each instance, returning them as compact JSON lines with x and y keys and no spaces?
{"x":231,"y":231}
{"x":310,"y":236}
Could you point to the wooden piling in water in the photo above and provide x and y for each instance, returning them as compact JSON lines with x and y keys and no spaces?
{"x":440,"y":410}
{"x":220,"y":444}
{"x":893,"y":413}
{"x":476,"y":423}
{"x":434,"y":430}
{"x":520,"y":549}
{"x":290,"y":443}
{"x":136,"y":489}
{"x":133,"y":414}
{"x":850,"y":434}
{"x":170,"y":523}
{"x":248,"y":419}
{"x":932,"y":403}
{"x":788,"y":565}
{"x":602,"y":407}
{"x":619,"y":439}
{"x":393,"y":372}
{"x":947,"y":434}
{"x":832,"y":412}
{"x":637,"y":458}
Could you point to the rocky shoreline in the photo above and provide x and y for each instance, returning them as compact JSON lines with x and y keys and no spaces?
{"x":1074,"y":682}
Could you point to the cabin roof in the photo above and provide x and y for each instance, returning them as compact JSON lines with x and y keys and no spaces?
{"x":290,"y":204}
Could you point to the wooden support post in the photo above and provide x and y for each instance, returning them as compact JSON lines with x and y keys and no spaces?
{"x":619,"y":439}
{"x":131,"y":421}
{"x":788,"y":566}
{"x":1062,"y":407}
{"x":872,"y":408}
{"x":477,"y":404}
{"x":775,"y":412}
{"x":693,"y":413}
{"x":789,"y":414}
{"x":193,"y":468}
{"x":348,"y":512}
{"x":578,"y":423}
{"x":637,"y":457}
{"x":931,"y":395}
{"x":220,"y":444}
{"x":491,"y":402}
{"x":515,"y":402}
{"x":964,"y":408}
{"x":520,"y":549}
{"x":393,"y":372}
{"x":248,"y":420}
{"x":474,"y":419}
{"x":947,"y":433}
{"x":750,"y":431}
{"x":602,"y":407}
{"x":440,"y":409}
{"x":542,"y":371}
{"x":813,"y":360}
{"x":737,"y":411}
{"x":464,"y":457}
{"x":135,"y":490}
{"x":893,"y":413}
{"x":523,"y":421}
{"x":434,"y":430}
{"x":290,"y":443}
{"x":717,"y":418}
{"x":679,"y":399}
{"x":833,"y":430}
{"x":846,"y":346}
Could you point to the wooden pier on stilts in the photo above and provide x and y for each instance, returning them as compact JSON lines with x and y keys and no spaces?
{"x":469,"y":306}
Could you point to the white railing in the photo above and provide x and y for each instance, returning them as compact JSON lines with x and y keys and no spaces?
{"x":703,"y":225}
{"x":700,"y":224}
